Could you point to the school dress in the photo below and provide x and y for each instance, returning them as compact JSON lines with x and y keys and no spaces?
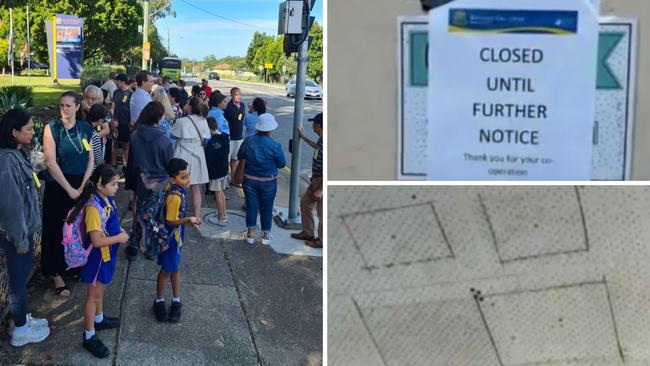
{"x":189,"y":147}
{"x":175,"y":208}
{"x":101,"y":261}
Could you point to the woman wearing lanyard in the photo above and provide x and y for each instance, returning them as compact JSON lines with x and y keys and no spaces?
{"x":69,"y":161}
{"x":264,"y":157}
{"x":20,"y":218}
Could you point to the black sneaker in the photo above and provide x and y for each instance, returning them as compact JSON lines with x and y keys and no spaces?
{"x":175,"y":312}
{"x":160,"y":311}
{"x":96,"y":347}
{"x":108,"y":323}
{"x":131,"y":253}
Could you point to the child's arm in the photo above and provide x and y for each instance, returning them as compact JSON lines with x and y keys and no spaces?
{"x":173,"y":203}
{"x":195,"y":221}
{"x":99,"y":239}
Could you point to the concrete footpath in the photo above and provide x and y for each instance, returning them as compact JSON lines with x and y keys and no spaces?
{"x":242,"y":304}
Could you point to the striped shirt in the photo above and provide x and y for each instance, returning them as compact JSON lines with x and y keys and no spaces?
{"x":98,"y":148}
{"x":317,"y":161}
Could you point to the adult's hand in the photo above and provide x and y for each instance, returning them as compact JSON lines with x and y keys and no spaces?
{"x":301,"y":132}
{"x":22,"y":250}
{"x":318,"y":195}
{"x":74,"y":193}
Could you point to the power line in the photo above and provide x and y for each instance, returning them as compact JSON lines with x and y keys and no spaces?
{"x":224,"y":18}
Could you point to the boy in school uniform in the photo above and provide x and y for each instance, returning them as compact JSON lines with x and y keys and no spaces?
{"x":170,"y":257}
{"x":217,"y":152}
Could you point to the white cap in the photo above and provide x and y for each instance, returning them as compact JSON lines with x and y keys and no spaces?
{"x":266,"y":122}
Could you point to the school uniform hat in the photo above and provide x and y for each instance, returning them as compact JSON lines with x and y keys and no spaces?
{"x":317,"y":119}
{"x":266,"y":122}
{"x":122,"y":77}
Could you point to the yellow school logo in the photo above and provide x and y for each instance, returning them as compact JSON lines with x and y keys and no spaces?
{"x":460,"y":18}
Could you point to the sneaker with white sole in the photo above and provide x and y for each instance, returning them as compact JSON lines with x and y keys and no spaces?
{"x":249,"y":239}
{"x":34,"y":334}
{"x":36,"y":322}
{"x":266,"y":239}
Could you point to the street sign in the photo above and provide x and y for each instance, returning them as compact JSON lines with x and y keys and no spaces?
{"x":146,"y":51}
{"x":268,"y":66}
{"x":612,"y":142}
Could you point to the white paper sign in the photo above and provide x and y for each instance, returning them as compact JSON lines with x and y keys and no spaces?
{"x":614,"y":123}
{"x":516,"y":98}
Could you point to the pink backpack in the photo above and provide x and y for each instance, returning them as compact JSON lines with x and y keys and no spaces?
{"x":75,"y":237}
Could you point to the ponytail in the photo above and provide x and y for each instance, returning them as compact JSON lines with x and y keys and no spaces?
{"x":103,"y":173}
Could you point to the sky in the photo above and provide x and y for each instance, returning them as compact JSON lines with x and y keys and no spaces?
{"x":198,"y":31}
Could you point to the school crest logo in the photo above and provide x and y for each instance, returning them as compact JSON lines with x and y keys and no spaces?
{"x":460,"y":18}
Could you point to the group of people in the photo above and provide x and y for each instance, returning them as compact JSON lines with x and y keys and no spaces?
{"x":173,"y":144}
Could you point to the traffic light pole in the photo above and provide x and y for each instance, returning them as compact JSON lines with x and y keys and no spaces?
{"x":293,"y":221}
{"x":145,"y":32}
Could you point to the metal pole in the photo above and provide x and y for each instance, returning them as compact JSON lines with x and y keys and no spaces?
{"x":145,"y":32}
{"x":294,"y":189}
{"x":11,"y":44}
{"x":29,"y":49}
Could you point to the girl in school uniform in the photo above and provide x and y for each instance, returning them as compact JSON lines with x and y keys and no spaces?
{"x":103,"y":228}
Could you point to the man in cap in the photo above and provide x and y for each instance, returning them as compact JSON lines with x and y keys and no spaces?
{"x":314,"y":194}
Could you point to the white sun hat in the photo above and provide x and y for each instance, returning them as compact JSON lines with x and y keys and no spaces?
{"x":266,"y":122}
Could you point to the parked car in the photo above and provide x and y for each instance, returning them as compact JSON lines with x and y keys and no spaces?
{"x":34,"y":65}
{"x":312,"y":90}
{"x":214,"y":75}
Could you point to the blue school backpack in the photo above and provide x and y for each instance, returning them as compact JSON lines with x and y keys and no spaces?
{"x":76,"y":241}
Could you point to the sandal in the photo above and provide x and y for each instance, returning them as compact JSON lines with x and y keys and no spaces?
{"x":60,"y":290}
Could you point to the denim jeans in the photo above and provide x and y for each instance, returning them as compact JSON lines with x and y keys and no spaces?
{"x":19,"y":266}
{"x":259,"y":197}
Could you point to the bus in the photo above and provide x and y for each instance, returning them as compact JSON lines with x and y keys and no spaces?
{"x":171,"y":66}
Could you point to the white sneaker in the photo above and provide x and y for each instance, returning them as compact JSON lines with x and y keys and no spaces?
{"x":267,"y":240}
{"x":34,"y":334}
{"x":36,"y":322}
{"x":223,"y":222}
{"x":249,"y":239}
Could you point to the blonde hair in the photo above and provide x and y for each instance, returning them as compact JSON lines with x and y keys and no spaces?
{"x":160,"y":95}
{"x":94,"y":89}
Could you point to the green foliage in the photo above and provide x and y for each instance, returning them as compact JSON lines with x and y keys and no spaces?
{"x":315,"y":53}
{"x":265,"y":49}
{"x":94,"y":75}
{"x":110,"y":28}
{"x":15,"y":97}
{"x":132,"y":70}
{"x":34,"y":72}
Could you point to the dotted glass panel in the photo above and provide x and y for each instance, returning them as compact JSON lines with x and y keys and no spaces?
{"x":382,"y":243}
{"x":552,"y":325}
{"x":526,"y":227}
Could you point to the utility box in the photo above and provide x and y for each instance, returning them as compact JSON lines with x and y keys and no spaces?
{"x":290,"y":18}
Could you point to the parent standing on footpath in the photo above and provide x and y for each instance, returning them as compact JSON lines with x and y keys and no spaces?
{"x":20,"y":218}
{"x":263,"y":157}
{"x":149,"y":153}
{"x":190,"y":132}
{"x":314,"y":194}
{"x":234,"y":113}
{"x":69,"y":161}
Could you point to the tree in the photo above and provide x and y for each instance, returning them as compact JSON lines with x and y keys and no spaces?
{"x":256,"y":43}
{"x":110,"y":26}
{"x":315,"y":53}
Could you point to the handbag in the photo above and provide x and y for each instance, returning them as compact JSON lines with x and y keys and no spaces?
{"x":197,"y":129}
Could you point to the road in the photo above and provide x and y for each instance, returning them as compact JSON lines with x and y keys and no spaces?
{"x":281,"y":107}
